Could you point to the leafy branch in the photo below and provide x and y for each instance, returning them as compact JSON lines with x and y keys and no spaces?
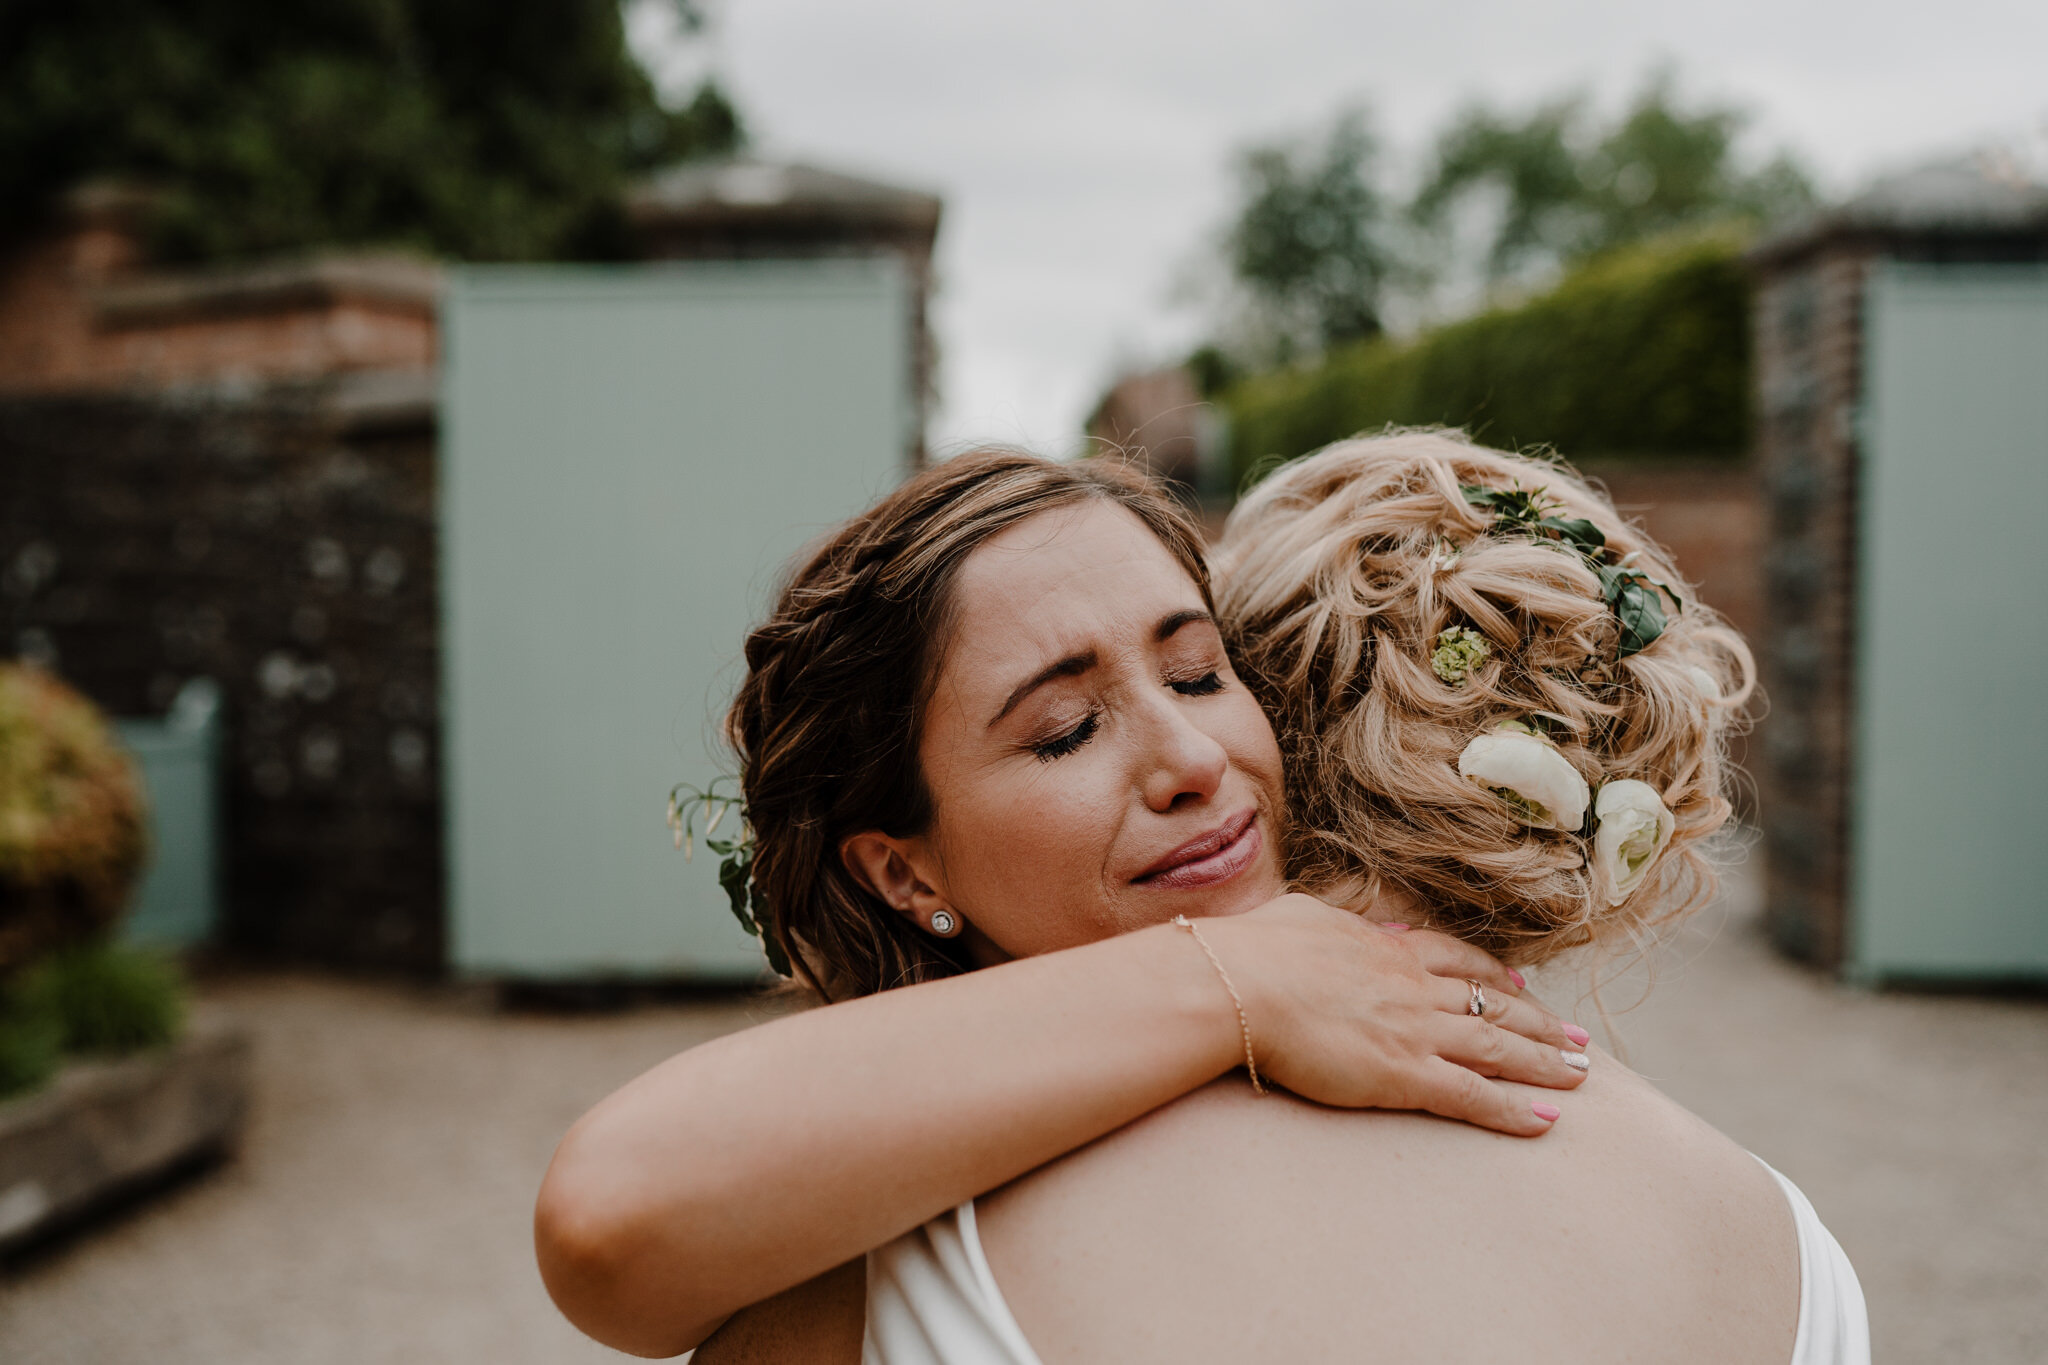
{"x":688,"y":806}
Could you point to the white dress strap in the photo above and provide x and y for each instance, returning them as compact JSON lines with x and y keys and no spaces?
{"x":1834,"y":1326}
{"x":932,"y":1300}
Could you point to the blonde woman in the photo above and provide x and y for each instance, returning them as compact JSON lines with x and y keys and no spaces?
{"x":1096,"y":809}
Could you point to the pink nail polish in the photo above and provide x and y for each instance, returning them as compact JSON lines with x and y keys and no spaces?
{"x":1393,"y":926}
{"x":1516,"y":977}
{"x":1547,"y":1112}
{"x":1578,"y":1035}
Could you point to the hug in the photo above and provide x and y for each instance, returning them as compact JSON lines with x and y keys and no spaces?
{"x":1168,"y":911}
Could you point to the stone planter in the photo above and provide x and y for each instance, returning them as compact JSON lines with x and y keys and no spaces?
{"x":102,"y":1130}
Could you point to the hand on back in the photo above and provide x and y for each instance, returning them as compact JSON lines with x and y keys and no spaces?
{"x":1348,"y":1013}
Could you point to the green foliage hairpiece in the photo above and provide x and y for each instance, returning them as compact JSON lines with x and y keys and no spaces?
{"x":711,"y":804}
{"x":1631,"y":594}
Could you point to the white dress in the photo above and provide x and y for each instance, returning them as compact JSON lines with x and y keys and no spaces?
{"x":932,"y":1299}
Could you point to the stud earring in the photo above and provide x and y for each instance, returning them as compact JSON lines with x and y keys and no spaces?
{"x":943,"y":923}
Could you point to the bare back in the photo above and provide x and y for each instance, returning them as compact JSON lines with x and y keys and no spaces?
{"x":1227,"y":1227}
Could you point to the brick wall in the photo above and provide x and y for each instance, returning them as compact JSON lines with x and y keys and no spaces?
{"x":81,"y":309}
{"x":284,"y":545}
{"x":1159,"y":417}
{"x":46,"y":325}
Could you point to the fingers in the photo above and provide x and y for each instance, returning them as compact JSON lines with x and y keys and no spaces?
{"x":1506,"y":1056}
{"x":1442,"y":955}
{"x":1454,"y":1092}
{"x":1523,"y":1016}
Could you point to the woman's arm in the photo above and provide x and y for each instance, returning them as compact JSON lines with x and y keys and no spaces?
{"x":820,"y":1322}
{"x":753,"y":1163}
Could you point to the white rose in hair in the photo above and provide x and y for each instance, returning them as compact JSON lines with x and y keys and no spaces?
{"x":1704,"y":683}
{"x":1633,"y":827}
{"x":1526,"y":771}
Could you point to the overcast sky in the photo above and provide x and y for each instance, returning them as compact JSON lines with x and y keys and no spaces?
{"x":1084,"y":149}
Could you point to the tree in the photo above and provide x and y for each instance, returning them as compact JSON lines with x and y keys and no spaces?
{"x":1309,"y":246}
{"x":470,"y":129}
{"x":1571,"y":190}
{"x":1531,"y":162}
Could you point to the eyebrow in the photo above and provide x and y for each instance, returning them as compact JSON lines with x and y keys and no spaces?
{"x":1170,"y":625}
{"x":1074,"y":665}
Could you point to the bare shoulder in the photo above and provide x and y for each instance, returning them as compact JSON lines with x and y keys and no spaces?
{"x":819,"y":1321}
{"x":1164,"y":1238}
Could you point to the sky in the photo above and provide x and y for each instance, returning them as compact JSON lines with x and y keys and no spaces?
{"x":1084,"y":150}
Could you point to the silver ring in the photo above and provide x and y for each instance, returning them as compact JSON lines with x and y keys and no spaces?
{"x":1476,"y":1006}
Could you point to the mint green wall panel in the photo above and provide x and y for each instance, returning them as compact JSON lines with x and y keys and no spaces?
{"x":1950,"y":855}
{"x":629,"y":455}
{"x":177,"y":902}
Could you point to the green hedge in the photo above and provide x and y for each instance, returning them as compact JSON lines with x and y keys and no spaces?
{"x":1644,"y":353}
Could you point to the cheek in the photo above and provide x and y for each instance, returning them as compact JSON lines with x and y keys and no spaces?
{"x":1025,"y":850}
{"x":1247,"y":736}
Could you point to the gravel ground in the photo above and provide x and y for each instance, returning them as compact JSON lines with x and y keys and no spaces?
{"x":379,"y":1208}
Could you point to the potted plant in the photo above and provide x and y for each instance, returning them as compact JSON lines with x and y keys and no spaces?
{"x":73,"y":837}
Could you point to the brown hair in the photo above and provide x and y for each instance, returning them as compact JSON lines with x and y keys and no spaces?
{"x":1334,"y":580}
{"x":827,"y":724}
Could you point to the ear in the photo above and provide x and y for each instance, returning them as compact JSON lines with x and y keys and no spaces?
{"x":900,"y":872}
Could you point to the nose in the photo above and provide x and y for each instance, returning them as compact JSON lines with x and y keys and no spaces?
{"x":1184,"y":763}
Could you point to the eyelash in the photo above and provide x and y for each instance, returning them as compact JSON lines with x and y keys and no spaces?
{"x":1066,"y":743}
{"x":1208,"y":685}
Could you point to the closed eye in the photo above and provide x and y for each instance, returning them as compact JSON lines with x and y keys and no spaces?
{"x":1066,"y":743}
{"x":1205,"y":686}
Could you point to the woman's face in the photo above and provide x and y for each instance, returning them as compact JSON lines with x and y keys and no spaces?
{"x":1094,"y":764}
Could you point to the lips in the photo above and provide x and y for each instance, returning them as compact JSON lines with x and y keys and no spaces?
{"x":1214,"y":857}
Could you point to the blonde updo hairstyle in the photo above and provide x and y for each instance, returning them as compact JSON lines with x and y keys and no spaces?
{"x":1334,"y":579}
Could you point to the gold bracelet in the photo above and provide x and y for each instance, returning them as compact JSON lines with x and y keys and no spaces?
{"x":1251,"y":1065}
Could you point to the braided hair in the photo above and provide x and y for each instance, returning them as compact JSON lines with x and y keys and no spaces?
{"x":828,"y":721}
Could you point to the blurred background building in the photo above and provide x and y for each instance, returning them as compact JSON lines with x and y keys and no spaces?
{"x":1900,"y":339}
{"x":230,"y":472}
{"x":403,"y":409}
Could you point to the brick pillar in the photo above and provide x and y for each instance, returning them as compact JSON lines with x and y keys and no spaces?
{"x":1808,"y":323}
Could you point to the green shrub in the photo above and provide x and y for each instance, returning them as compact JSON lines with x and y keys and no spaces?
{"x":100,"y":998}
{"x":1643,"y":353}
{"x":108,"y":998}
{"x":31,"y":1039}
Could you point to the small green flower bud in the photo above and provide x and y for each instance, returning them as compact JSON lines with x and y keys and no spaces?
{"x":1458,"y":653}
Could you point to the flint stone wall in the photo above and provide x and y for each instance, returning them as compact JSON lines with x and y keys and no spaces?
{"x":281,"y":542}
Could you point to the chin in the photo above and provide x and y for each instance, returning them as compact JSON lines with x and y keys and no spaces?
{"x":1240,"y":895}
{"x":1246,"y":899}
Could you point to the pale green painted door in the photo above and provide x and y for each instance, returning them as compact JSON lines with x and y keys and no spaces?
{"x":178,"y":902}
{"x":628,"y":457}
{"x":1950,"y":835}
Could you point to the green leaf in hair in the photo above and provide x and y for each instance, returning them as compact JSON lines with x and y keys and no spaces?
{"x":1630,"y":594}
{"x":686,"y":804}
